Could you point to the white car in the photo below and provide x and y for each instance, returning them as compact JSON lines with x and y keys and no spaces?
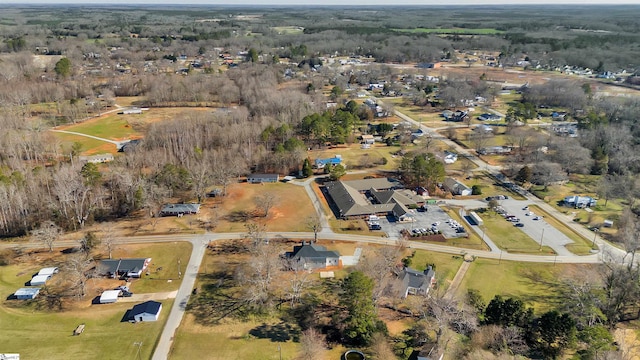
{"x":537,"y":218}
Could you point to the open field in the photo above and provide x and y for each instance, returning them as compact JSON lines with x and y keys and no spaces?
{"x":290,"y":212}
{"x":89,"y":146}
{"x":510,"y":239}
{"x":536,"y":284}
{"x":106,"y":336}
{"x":289,"y":30}
{"x":112,"y":127}
{"x":460,"y":31}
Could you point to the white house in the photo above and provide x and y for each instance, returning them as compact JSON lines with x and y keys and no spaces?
{"x":147,"y":311}
{"x":40,"y":280}
{"x":109,"y":296}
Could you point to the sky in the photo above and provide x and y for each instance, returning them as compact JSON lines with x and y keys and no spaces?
{"x":323,"y":2}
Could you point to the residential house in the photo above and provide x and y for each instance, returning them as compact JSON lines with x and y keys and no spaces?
{"x":26,"y":293}
{"x":123,"y":267}
{"x":495,"y":150}
{"x":489,"y":117}
{"x":368,"y":139}
{"x":456,"y":187}
{"x":96,"y":159}
{"x":179,"y":209}
{"x":263,"y":178}
{"x":311,"y":257}
{"x":332,"y":161}
{"x":414,"y":282}
{"x":579,"y":201}
{"x":147,"y":311}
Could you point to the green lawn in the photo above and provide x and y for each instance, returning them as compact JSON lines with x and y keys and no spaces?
{"x":537,"y":284}
{"x":461,"y":31}
{"x":164,"y":256}
{"x":89,"y":145}
{"x":112,"y":127}
{"x":509,"y":238}
{"x":105,"y":336}
{"x":446,"y":265}
{"x":472,"y":242}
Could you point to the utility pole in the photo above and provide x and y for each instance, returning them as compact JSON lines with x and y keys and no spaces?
{"x":541,"y":237}
{"x":595,"y":234}
{"x":500,"y":259}
{"x":179,"y":272}
{"x":139,"y":345}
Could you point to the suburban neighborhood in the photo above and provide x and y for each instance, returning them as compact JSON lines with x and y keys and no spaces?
{"x":380,"y":182}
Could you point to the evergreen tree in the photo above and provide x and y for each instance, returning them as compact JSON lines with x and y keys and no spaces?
{"x":357,"y":297}
{"x":307,"y":171}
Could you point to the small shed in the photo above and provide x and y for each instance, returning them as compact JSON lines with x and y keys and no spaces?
{"x":109,"y":296}
{"x":147,"y":311}
{"x":49,"y":271}
{"x":40,"y":280}
{"x":27,"y":293}
{"x":608,"y":223}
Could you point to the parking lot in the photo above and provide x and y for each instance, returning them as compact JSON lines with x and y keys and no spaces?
{"x":422,"y":220}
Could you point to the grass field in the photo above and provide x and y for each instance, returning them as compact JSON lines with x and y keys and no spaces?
{"x":460,"y":31}
{"x":510,"y":239}
{"x":472,"y":242}
{"x":289,"y":30}
{"x":112,"y":127}
{"x":537,"y":284}
{"x":89,"y":146}
{"x":232,"y":340}
{"x":105,"y":337}
{"x":290,"y":212}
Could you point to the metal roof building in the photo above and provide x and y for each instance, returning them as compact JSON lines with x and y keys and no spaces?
{"x":27,"y":293}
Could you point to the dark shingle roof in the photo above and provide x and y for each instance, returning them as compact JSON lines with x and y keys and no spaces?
{"x":113,"y":266}
{"x":314,"y":251}
{"x":148,"y":307}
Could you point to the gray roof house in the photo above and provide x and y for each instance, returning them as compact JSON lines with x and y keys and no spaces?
{"x":413,"y":282}
{"x":311,"y":257}
{"x":127,"y":267}
{"x":179,"y":209}
{"x":456,"y":187}
{"x":263,"y":178}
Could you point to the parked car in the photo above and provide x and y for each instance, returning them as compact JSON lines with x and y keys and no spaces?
{"x":537,"y":218}
{"x":518,"y":224}
{"x":126,"y":293}
{"x":123,"y":288}
{"x":525,"y":208}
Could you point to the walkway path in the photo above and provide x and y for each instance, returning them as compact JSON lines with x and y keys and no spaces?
{"x":116,"y":143}
{"x":457,"y":280}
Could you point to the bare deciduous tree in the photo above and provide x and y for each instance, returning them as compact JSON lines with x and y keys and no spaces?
{"x":47,"y":233}
{"x":314,"y":223}
{"x":265,"y":203}
{"x":312,"y":346}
